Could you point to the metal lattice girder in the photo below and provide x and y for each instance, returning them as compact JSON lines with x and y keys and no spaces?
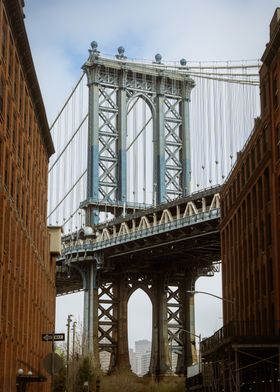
{"x":108,"y":135}
{"x":112,"y":86}
{"x":174,"y":321}
{"x":173,"y":147}
{"x":107,"y":323}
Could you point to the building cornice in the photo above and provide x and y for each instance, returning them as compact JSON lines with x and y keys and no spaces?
{"x":273,"y":45}
{"x":15,"y":15}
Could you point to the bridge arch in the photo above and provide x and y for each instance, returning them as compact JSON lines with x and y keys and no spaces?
{"x":140,"y":332}
{"x":143,"y":287}
{"x":140,"y":143}
{"x":148,"y":100}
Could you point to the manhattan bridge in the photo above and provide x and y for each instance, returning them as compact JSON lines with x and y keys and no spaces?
{"x":142,"y":149}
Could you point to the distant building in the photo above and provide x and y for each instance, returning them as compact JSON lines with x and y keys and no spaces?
{"x":132,"y":360}
{"x":140,"y":358}
{"x":105,"y":358}
{"x":244,"y":354}
{"x":27,"y":271}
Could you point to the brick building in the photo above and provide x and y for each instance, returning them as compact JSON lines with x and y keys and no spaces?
{"x":250,"y":210}
{"x":27,"y":270}
{"x":244,"y":354}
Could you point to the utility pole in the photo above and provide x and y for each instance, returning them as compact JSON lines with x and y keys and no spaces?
{"x":69,"y":320}
{"x":74,"y":338}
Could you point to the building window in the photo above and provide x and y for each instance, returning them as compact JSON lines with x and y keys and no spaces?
{"x":14,"y":131}
{"x":268,"y":231}
{"x":265,"y":138}
{"x":253,"y":159}
{"x":267,"y":184}
{"x":6,"y":178}
{"x":1,"y":96}
{"x":8,"y":122}
{"x":258,"y":150}
{"x":4,"y":43}
{"x":1,"y":155}
{"x":270,"y":275}
{"x":12,"y":182}
{"x":242,"y":176}
{"x":263,"y":96}
{"x":17,"y":194}
{"x":10,"y":65}
{"x":275,"y":92}
{"x":278,"y":194}
{"x":260,"y":193}
{"x":247,"y":170}
{"x":277,"y":134}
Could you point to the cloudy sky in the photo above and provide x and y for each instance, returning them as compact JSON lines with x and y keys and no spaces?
{"x":60,"y":32}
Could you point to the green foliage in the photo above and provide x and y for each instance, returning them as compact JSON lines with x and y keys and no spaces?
{"x":60,"y":381}
{"x":84,"y":373}
{"x":126,"y":382}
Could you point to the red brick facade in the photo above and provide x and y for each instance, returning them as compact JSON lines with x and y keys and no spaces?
{"x":27,"y":286}
{"x":250,"y":226}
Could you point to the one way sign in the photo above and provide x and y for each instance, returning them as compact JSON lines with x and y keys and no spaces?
{"x":48,"y":337}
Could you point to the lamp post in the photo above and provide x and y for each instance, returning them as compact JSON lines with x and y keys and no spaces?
{"x":199,"y":346}
{"x":74,"y":338}
{"x":69,"y":320}
{"x":212,"y":295}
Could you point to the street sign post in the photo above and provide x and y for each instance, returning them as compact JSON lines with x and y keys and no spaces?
{"x":53,"y":337}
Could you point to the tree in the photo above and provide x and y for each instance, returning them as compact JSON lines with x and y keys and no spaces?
{"x":59,"y":383}
{"x":84,"y":373}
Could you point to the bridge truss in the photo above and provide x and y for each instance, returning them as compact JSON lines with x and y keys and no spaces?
{"x":127,"y":184}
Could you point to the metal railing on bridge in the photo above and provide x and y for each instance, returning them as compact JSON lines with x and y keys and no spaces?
{"x":175,"y":215}
{"x":240,"y":329}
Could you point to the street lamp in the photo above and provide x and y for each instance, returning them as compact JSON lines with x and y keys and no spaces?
{"x":212,"y":295}
{"x":199,"y":346}
{"x":74,"y":337}
{"x":69,"y":320}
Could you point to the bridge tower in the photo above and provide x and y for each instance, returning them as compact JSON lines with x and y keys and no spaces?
{"x":115,"y":87}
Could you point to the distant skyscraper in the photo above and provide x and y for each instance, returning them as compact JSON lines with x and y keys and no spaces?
{"x":140,"y":358}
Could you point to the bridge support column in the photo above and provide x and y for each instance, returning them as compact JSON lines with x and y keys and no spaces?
{"x":91,"y":316}
{"x":191,"y":355}
{"x":186,"y":146}
{"x":122,"y":354}
{"x":92,"y":216}
{"x":159,"y":137}
{"x":122,"y":129}
{"x":160,"y":360}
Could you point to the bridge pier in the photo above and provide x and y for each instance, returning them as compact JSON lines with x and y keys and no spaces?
{"x":90,"y":341}
{"x":160,"y":359}
{"x":122,"y":352}
{"x":106,"y":321}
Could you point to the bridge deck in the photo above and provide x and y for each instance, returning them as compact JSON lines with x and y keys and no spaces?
{"x":180,"y":237}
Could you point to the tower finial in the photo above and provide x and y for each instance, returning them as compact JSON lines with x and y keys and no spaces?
{"x":120,"y":55}
{"x":158,"y":58}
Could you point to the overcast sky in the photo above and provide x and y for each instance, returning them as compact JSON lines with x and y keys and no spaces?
{"x":60,"y":32}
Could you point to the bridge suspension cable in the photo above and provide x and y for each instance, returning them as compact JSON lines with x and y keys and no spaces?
{"x":67,"y":101}
{"x":223,"y":107}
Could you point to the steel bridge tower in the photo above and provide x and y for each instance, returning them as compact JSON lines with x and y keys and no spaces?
{"x":113,"y":85}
